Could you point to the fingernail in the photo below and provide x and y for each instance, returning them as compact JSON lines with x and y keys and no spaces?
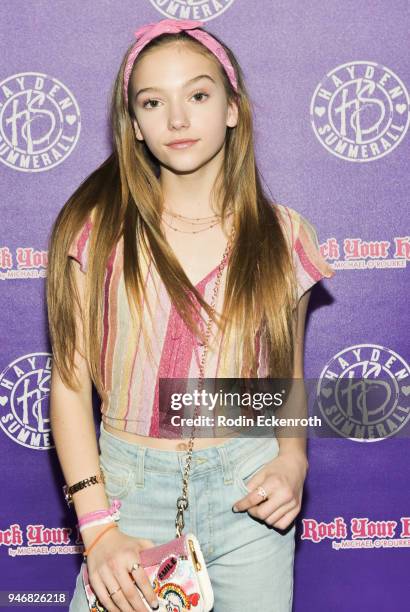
{"x":155,"y":607}
{"x":234,"y":508}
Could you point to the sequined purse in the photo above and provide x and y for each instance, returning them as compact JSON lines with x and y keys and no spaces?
{"x":177,"y":569}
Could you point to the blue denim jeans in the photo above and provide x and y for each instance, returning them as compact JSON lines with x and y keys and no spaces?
{"x":250,"y":563}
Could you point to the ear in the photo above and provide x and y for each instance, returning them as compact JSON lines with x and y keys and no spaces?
{"x":232,"y":115}
{"x":138,"y":133}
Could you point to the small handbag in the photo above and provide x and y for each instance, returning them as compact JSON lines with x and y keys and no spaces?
{"x":178,"y":575}
{"x":177,"y":569}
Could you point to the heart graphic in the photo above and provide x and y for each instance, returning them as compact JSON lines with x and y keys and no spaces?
{"x":3,"y":400}
{"x":400,"y":108}
{"x":406,"y":390}
{"x":320,"y":111}
{"x":71,"y":119}
{"x":194,"y":599}
{"x":327,"y":392}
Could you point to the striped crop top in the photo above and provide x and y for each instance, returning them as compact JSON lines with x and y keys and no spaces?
{"x":129,"y":376}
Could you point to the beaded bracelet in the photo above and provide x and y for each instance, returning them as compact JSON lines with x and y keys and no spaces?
{"x":94,"y":542}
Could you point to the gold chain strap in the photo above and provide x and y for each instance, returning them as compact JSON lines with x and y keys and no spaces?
{"x":182,"y":501}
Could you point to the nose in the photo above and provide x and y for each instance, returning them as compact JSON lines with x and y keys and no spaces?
{"x":178,"y":116}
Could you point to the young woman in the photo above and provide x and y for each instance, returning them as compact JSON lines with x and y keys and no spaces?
{"x":176,"y":212}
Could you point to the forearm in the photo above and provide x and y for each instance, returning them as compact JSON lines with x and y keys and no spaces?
{"x":292,"y":437}
{"x":73,"y":430}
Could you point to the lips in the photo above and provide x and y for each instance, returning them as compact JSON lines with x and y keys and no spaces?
{"x":181,"y":144}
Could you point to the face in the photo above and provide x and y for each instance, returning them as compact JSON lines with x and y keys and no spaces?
{"x":177,"y":105}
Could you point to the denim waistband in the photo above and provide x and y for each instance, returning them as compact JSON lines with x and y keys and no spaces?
{"x":230,"y":452}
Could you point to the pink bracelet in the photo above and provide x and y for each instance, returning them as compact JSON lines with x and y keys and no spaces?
{"x":97,"y":514}
{"x":101,"y":521}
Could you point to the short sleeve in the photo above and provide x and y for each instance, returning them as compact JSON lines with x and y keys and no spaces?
{"x":79,"y":247}
{"x":310,"y":265}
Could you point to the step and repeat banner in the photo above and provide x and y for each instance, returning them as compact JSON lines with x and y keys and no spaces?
{"x":329,"y":83}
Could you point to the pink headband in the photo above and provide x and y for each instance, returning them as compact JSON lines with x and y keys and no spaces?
{"x":146,"y":33}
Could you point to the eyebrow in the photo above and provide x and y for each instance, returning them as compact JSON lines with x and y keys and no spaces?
{"x":197,"y":78}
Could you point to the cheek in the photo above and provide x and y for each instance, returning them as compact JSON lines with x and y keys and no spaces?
{"x":215,"y":132}
{"x":214,"y":117}
{"x":151,"y":130}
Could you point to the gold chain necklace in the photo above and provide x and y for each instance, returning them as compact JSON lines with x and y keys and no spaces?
{"x":190,"y":231}
{"x":204,"y":229}
{"x":172,"y":214}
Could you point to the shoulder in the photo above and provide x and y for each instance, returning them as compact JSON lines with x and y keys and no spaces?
{"x":309,"y":262}
{"x":294,"y":223}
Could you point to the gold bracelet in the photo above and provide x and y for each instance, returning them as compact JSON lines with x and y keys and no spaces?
{"x":82,"y":484}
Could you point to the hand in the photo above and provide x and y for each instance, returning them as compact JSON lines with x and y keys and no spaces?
{"x":109,"y":567}
{"x":282,"y":478}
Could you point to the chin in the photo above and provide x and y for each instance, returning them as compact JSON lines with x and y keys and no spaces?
{"x":184,"y":166}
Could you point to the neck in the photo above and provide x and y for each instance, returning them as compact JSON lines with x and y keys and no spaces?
{"x":189,"y":193}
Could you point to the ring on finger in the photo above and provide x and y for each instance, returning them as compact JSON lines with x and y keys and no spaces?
{"x":135,"y":566}
{"x":261,"y":491}
{"x":116,"y":591}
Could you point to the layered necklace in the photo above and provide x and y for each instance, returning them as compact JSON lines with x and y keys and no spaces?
{"x":203,"y":223}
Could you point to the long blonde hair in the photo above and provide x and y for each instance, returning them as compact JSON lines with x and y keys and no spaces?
{"x":124,"y":197}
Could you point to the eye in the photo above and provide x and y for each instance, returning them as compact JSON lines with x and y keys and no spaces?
{"x":144,"y":104}
{"x":151,"y":101}
{"x":201,"y":93}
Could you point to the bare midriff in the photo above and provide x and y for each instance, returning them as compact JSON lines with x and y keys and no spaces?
{"x":165,"y":443}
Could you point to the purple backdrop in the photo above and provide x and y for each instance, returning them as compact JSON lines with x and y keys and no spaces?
{"x":329,"y":82}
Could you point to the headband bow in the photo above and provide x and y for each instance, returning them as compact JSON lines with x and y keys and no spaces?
{"x":172,"y":26}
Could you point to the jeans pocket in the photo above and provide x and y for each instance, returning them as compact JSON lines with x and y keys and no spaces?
{"x":250,"y":464}
{"x":117,"y":477}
